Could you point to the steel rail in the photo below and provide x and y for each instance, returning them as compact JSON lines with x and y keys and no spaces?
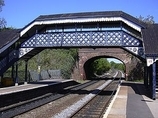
{"x":97,"y":106}
{"x":22,"y":107}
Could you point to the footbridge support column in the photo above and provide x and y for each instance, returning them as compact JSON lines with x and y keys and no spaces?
{"x":146,"y":77}
{"x":26,"y":65}
{"x":16,"y":74}
{"x":154,"y":81}
{"x":152,"y":70}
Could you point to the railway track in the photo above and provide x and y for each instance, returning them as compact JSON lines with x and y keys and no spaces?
{"x":96,"y":107}
{"x":31,"y":104}
{"x":24,"y":106}
{"x":117,"y":74}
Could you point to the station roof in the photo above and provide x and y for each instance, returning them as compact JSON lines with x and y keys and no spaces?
{"x":7,"y":36}
{"x":91,"y":15}
{"x":150,"y":39}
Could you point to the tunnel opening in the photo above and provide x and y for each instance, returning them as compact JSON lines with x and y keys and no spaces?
{"x":103,"y":67}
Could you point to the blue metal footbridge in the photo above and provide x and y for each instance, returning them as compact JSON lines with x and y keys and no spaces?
{"x":83,"y":30}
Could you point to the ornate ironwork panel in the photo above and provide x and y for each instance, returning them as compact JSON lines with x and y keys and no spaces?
{"x":3,"y":63}
{"x":136,"y":50}
{"x":44,"y":40}
{"x":114,"y":38}
{"x":23,"y":51}
{"x":76,"y":39}
{"x":98,"y":39}
{"x":12,"y":55}
{"x":80,"y":38}
{"x":129,"y":40}
{"x":6,"y":60}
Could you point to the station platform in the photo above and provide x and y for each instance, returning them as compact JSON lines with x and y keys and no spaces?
{"x":131,"y":101}
{"x":32,"y":85}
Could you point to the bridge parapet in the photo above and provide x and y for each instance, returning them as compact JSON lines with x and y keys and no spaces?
{"x":84,"y":39}
{"x":6,"y":61}
{"x":89,"y":38}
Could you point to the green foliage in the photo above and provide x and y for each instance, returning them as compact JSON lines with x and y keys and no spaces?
{"x":119,"y":66}
{"x":100,"y":66}
{"x":51,"y":59}
{"x":137,"y":73}
{"x":112,"y":64}
{"x":63,"y":59}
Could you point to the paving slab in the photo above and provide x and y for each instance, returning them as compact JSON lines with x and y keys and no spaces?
{"x":118,"y":109}
{"x":132,"y":101}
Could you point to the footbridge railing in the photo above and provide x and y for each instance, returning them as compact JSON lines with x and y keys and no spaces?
{"x":94,"y":39}
{"x":8,"y":60}
{"x":84,"y":39}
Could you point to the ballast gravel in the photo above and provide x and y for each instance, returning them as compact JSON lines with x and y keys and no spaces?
{"x":66,"y":113}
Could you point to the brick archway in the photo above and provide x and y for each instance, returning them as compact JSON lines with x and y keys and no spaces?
{"x":86,"y":54}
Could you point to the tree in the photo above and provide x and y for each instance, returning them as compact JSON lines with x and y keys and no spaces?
{"x":2,"y":23}
{"x":1,"y":4}
{"x":149,"y":19}
{"x":112,"y":64}
{"x":118,"y":66}
{"x":100,"y":66}
{"x":55,"y":59}
{"x":2,"y":20}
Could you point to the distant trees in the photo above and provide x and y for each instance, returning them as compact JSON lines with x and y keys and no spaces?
{"x":2,"y":23}
{"x":149,"y":19}
{"x":54,"y":59}
{"x":119,"y":66}
{"x":2,"y":20}
{"x":102,"y":65}
{"x":1,"y":4}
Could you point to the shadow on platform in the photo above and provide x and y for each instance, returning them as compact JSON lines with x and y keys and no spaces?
{"x":137,"y":87}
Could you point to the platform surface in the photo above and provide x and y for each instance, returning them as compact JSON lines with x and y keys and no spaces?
{"x":29,"y":86}
{"x":132,"y":101}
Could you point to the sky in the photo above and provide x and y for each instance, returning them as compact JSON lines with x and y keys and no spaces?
{"x":114,"y":60}
{"x":19,"y":13}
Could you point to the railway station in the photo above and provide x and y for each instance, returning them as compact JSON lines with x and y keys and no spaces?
{"x":113,"y":34}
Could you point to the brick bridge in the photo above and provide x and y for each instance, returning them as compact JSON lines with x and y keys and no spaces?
{"x":87,"y":55}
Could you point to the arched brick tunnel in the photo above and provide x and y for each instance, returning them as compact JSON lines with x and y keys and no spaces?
{"x":87,"y":55}
{"x":87,"y":64}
